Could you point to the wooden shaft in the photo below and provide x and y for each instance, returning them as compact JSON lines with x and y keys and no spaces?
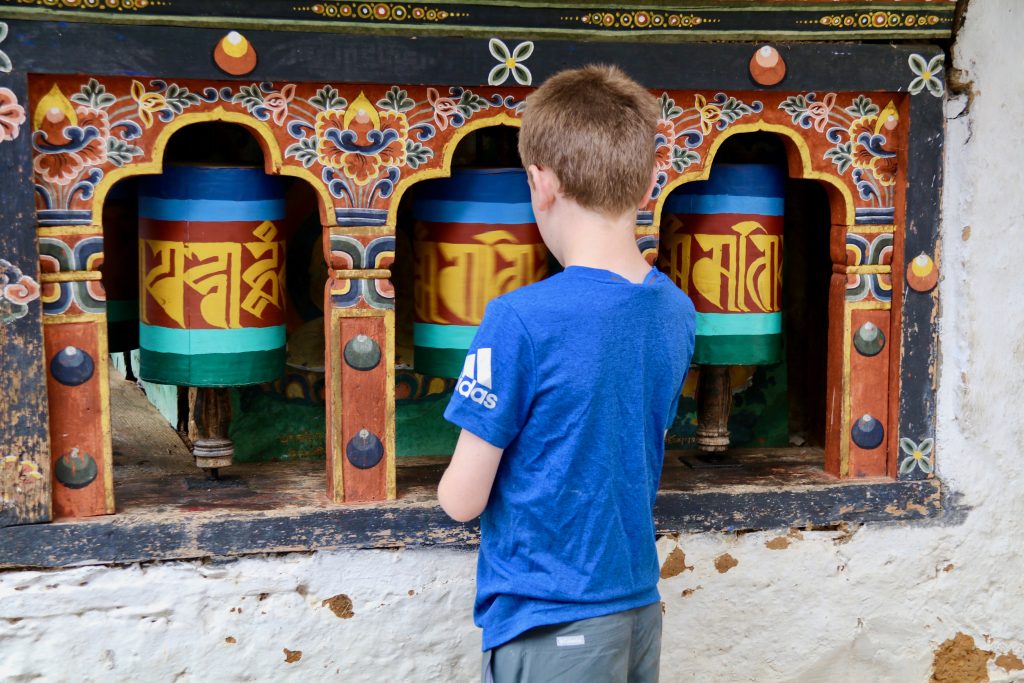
{"x":212,"y":415}
{"x":714,"y":403}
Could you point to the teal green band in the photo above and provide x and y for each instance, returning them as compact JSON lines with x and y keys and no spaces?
{"x":212,"y":369}
{"x":709,"y":324}
{"x":738,"y":349}
{"x":195,"y":342}
{"x":444,"y":336}
{"x":435,"y":362}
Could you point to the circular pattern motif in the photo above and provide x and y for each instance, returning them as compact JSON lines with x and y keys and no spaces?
{"x":364,"y":450}
{"x":362,"y":353}
{"x":234,"y":54}
{"x":76,"y":470}
{"x":867,"y":432}
{"x":922,"y":275}
{"x":767,"y":66}
{"x":869,"y":340}
{"x":72,"y":366}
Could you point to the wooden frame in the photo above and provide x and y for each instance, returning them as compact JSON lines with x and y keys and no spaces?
{"x":864,"y":81}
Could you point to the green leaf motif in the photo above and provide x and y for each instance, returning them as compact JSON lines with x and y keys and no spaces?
{"x":522,"y":75}
{"x":681,"y":158}
{"x":734,"y":109}
{"x":523,"y":51}
{"x":841,"y":155}
{"x":328,"y":98}
{"x":304,"y":151}
{"x":470,"y":103}
{"x":249,"y":96}
{"x":795,"y":106}
{"x":5,"y":63}
{"x":120,"y":152}
{"x":93,"y":94}
{"x":178,"y":98}
{"x":498,"y":75}
{"x":908,"y":465}
{"x":417,"y":154}
{"x":862,"y":106}
{"x":396,"y":100}
{"x":669,"y":110}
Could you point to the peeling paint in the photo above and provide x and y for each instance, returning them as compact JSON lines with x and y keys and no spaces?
{"x":725,"y":562}
{"x":675,"y":564}
{"x":958,"y":660}
{"x":341,"y":605}
{"x":777,"y":543}
{"x":292,"y":656}
{"x":1010,"y":662}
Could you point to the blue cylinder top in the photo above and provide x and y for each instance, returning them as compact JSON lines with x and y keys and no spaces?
{"x":763,"y":186}
{"x":211,"y":193}
{"x":476,"y":195}
{"x":492,"y":185}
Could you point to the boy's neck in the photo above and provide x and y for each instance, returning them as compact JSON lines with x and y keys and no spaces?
{"x":595,"y":240}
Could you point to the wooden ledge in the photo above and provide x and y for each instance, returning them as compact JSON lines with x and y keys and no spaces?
{"x":796,"y":495}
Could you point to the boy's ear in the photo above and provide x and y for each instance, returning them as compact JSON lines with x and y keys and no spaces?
{"x":544,"y":185}
{"x":650,"y":188}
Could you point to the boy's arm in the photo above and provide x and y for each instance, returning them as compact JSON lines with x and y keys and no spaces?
{"x":466,"y":484}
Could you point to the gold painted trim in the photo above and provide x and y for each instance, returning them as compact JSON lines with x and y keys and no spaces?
{"x":871,"y":229}
{"x":105,"y":427}
{"x":363,"y":231}
{"x":844,"y":418}
{"x":363,"y":274}
{"x":389,"y":405}
{"x":73,"y":318}
{"x":868,"y":270}
{"x":447,"y":155}
{"x":273,"y":160}
{"x":71,"y":276}
{"x":337,"y":454}
{"x":805,"y":158}
{"x":62,"y":230}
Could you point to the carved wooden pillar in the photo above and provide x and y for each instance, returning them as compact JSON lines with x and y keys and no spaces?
{"x":360,"y":336}
{"x":860,"y":330}
{"x":75,"y":346}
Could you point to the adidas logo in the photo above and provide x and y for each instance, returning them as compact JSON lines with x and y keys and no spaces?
{"x":475,"y":379}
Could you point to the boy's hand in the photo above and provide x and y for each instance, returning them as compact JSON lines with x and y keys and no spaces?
{"x":466,"y":484}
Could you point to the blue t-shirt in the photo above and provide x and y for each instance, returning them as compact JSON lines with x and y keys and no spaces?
{"x":577,"y":377}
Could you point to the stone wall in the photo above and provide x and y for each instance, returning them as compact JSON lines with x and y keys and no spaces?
{"x":879,"y":603}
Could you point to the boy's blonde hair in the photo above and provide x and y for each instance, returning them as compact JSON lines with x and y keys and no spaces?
{"x":595,"y":128}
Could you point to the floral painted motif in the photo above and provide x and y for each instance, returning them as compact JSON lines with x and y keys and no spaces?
{"x":927,"y":74}
{"x":361,"y":139}
{"x":17,"y":291}
{"x":510,"y":63}
{"x":12,"y":115}
{"x":5,"y":61}
{"x":916,"y":456}
{"x":863,"y":136}
{"x":682,"y":130}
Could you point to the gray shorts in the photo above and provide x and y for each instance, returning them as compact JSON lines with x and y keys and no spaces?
{"x":620,"y":648}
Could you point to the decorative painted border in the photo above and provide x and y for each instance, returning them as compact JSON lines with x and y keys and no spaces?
{"x":795,"y":20}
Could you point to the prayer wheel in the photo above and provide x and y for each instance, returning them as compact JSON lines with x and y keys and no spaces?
{"x":211,"y":289}
{"x":723,"y":246}
{"x":475,"y":238}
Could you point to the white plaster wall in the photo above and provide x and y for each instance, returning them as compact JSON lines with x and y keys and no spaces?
{"x":874,"y":606}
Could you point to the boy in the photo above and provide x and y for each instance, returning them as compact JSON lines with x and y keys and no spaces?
{"x":582,"y":373}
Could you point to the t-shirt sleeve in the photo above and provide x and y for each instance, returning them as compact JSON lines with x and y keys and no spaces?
{"x":493,"y":394}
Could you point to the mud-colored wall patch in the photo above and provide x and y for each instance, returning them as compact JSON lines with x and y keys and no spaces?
{"x":675,"y":564}
{"x":1010,"y":662}
{"x":725,"y":562}
{"x":778,"y":543}
{"x":341,"y":605}
{"x":687,"y":592}
{"x":959,"y":660}
{"x":292,"y":656}
{"x":230,"y":640}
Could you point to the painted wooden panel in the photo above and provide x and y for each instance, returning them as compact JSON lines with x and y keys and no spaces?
{"x":78,"y":390}
{"x":624,"y":20}
{"x":24,"y":443}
